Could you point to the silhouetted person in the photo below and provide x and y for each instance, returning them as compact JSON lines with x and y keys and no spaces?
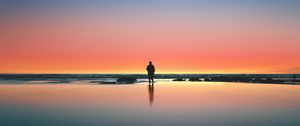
{"x":151,"y":93}
{"x":151,"y":69}
{"x":295,"y":77}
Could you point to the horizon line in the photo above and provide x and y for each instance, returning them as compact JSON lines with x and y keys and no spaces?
{"x":146,"y":73}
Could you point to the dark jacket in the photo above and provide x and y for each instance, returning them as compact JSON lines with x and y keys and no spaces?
{"x":151,"y":69}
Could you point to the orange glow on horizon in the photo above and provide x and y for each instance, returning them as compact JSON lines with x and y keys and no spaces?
{"x":124,"y":41}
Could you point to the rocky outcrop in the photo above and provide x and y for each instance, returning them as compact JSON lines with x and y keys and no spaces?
{"x":194,"y":79}
{"x":179,"y":79}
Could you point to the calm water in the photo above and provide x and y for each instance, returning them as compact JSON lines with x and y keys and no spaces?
{"x":167,"y":103}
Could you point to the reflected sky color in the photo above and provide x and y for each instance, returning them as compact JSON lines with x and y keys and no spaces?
{"x":120,"y":36}
{"x":172,"y":103}
{"x":166,"y":94}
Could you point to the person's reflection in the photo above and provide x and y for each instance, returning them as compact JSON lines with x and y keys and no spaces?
{"x":151,"y":93}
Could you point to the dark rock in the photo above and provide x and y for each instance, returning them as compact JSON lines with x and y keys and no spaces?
{"x":106,"y":82}
{"x":194,"y":79}
{"x":231,"y":79}
{"x":179,"y":79}
{"x":207,"y":79}
{"x":243,"y":79}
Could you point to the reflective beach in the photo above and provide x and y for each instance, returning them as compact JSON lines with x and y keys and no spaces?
{"x":165,"y":103}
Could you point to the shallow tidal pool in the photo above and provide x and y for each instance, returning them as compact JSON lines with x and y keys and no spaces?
{"x":165,"y":103}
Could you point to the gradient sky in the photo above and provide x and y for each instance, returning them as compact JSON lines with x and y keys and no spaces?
{"x":121,"y":36}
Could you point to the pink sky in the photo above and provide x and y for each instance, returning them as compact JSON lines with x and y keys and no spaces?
{"x":176,"y":39}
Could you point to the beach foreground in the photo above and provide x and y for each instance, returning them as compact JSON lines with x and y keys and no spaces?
{"x":167,"y":103}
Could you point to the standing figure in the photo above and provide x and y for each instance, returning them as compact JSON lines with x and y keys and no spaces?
{"x":150,"y":69}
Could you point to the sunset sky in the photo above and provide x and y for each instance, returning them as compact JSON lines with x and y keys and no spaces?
{"x":178,"y":36}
